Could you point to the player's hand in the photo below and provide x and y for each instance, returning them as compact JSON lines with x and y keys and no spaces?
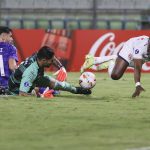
{"x":61,"y":74}
{"x":48,"y":93}
{"x":137,"y":91}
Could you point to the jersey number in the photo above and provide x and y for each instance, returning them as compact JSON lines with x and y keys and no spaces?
{"x":2,"y":72}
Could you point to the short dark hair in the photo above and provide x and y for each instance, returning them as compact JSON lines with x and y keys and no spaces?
{"x":4,"y":29}
{"x":45,"y":52}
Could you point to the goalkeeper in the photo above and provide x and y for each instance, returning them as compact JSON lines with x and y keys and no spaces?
{"x":30,"y":74}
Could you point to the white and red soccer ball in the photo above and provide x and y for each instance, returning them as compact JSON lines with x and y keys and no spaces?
{"x":87,"y":80}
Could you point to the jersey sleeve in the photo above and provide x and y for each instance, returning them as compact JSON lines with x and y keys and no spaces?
{"x":28,"y":78}
{"x":13,"y":52}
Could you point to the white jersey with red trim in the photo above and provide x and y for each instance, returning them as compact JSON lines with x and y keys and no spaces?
{"x":134,"y":48}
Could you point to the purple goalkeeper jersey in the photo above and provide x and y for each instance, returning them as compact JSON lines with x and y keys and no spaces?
{"x":7,"y":51}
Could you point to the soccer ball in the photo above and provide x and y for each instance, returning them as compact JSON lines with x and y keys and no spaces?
{"x":87,"y":80}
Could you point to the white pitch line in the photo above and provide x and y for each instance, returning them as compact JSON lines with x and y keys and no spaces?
{"x":141,"y":148}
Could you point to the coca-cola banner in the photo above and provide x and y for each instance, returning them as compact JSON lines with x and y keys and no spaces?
{"x":72,"y":46}
{"x":100,"y":43}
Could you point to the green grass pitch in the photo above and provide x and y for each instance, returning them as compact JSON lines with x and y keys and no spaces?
{"x":109,"y":119}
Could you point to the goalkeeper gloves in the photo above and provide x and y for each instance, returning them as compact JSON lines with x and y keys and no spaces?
{"x":61,"y":74}
{"x":48,"y":93}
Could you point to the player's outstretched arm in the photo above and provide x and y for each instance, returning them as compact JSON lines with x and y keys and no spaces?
{"x":137,"y":77}
{"x":61,"y":74}
{"x":57,"y":63}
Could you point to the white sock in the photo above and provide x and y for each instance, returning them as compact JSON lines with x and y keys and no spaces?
{"x":111,"y":67}
{"x":100,"y":60}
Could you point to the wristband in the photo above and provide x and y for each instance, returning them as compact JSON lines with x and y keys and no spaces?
{"x":137,"y":84}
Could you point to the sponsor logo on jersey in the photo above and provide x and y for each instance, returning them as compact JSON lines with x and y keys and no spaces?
{"x":26,"y":84}
{"x":136,"y":51}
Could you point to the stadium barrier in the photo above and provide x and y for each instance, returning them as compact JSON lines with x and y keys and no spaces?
{"x":72,"y":24}
{"x":72,"y":46}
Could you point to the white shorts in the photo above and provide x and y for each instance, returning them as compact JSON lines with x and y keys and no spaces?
{"x":127,"y":51}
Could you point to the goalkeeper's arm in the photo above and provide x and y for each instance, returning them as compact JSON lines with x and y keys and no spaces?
{"x":57,"y":63}
{"x":61,"y":74}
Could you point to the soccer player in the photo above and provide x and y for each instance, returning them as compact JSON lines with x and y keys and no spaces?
{"x":135,"y":52}
{"x":30,"y":74}
{"x":8,"y":56}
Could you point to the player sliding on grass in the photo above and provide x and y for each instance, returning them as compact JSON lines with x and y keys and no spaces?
{"x":135,"y":52}
{"x":30,"y":74}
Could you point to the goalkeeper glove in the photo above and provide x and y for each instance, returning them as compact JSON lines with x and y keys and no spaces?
{"x":48,"y":93}
{"x":61,"y":74}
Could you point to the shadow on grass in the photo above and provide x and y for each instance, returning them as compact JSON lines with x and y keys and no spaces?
{"x":106,"y":98}
{"x":86,"y":98}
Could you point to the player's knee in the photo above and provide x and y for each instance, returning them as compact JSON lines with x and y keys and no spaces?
{"x":115,"y":76}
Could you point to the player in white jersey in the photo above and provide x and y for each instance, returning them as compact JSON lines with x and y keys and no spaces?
{"x":135,"y":52}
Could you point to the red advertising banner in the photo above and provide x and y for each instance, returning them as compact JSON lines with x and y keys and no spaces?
{"x":27,"y":41}
{"x":60,"y":41}
{"x":100,"y":43}
{"x":71,"y":47}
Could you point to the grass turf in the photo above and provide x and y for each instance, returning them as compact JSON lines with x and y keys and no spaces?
{"x":109,"y":119}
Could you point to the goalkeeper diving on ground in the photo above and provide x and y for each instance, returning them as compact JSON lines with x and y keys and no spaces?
{"x":30,"y":74}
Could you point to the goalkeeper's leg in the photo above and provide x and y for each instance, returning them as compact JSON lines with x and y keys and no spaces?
{"x":57,"y":85}
{"x":64,"y":86}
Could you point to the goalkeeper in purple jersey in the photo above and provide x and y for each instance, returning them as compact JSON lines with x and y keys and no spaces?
{"x":8,"y":56}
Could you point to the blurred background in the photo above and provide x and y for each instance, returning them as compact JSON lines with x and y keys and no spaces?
{"x":59,"y":24}
{"x":75,"y":14}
